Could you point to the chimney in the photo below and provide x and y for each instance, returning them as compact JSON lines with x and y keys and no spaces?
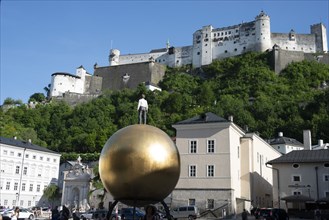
{"x":280,"y":134}
{"x":320,"y":142}
{"x":307,"y":139}
{"x":230,"y":118}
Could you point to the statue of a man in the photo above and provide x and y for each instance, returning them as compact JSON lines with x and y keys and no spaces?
{"x":142,"y":109}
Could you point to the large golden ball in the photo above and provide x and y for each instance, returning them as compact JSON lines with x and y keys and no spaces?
{"x":139,"y":165}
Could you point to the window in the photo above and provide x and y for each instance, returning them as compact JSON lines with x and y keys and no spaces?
{"x":41,"y":158}
{"x":11,"y":153}
{"x":5,"y":152}
{"x":23,"y":186}
{"x":210,"y":203}
{"x":193,"y":147}
{"x":191,"y":201}
{"x":17,"y":170}
{"x":31,"y":188}
{"x":38,"y":188}
{"x":326,"y":165}
{"x":15,"y":186}
{"x":297,"y":193}
{"x":238,"y":151}
{"x":192,"y":170}
{"x":210,"y":170}
{"x":54,"y":160}
{"x":326,"y":177}
{"x":26,"y":156}
{"x":29,"y":203}
{"x":211,"y":146}
{"x":25,"y":171}
{"x":8,"y":185}
{"x":295,"y":165}
{"x":326,"y":194}
{"x":19,"y":154}
{"x":48,"y":159}
{"x":34,"y":157}
{"x":296,"y":178}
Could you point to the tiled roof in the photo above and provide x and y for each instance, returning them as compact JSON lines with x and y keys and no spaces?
{"x":285,"y":140}
{"x":208,"y":117}
{"x":24,"y":144}
{"x":303,"y":156}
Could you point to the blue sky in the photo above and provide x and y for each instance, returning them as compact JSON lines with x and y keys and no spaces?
{"x":39,"y":38}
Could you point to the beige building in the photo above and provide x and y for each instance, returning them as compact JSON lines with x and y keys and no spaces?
{"x":222,"y":167}
{"x":302,"y":176}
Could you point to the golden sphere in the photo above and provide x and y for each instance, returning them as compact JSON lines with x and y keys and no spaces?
{"x":139,"y":165}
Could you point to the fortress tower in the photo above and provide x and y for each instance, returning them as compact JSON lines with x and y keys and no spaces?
{"x":114,"y":57}
{"x":263,"y":32}
{"x":320,"y":32}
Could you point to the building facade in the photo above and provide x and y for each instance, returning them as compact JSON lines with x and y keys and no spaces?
{"x":302,"y":173}
{"x":222,"y":166}
{"x":26,"y":170}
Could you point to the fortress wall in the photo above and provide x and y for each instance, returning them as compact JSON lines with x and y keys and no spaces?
{"x":93,"y":84}
{"x":302,"y":42}
{"x":113,"y":76}
{"x":282,"y":58}
{"x":157,"y":72}
{"x":74,"y":98}
{"x":138,"y":58}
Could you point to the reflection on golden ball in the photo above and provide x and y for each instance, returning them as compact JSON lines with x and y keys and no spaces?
{"x":139,"y":165}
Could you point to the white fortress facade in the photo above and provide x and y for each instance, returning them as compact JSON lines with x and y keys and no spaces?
{"x":217,"y":43}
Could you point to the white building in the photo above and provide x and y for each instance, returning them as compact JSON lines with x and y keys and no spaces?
{"x":300,"y":175}
{"x":222,"y":166}
{"x":26,"y":170}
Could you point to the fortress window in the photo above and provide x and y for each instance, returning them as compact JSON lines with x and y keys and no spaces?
{"x":294,"y":48}
{"x":198,"y":41}
{"x":235,"y":49}
{"x":236,"y":31}
{"x":263,"y":24}
{"x":302,"y":48}
{"x":225,"y":51}
{"x":244,"y":48}
{"x":198,"y":53}
{"x":206,"y":45}
{"x":229,"y":32}
{"x":222,"y":33}
{"x":206,"y":35}
{"x":205,"y":40}
{"x":225,"y":32}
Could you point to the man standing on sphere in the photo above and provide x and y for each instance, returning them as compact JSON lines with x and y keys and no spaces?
{"x":142,"y":109}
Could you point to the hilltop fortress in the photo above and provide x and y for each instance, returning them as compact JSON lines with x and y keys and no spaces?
{"x":127,"y":71}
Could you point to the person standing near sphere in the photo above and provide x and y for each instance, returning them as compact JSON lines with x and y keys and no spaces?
{"x":142,"y":109}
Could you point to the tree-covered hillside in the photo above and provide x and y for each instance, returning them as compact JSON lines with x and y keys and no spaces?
{"x":244,"y":87}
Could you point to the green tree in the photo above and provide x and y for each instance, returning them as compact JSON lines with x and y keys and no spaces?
{"x":51,"y":193}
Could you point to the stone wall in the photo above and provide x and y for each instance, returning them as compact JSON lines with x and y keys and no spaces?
{"x":130,"y":75}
